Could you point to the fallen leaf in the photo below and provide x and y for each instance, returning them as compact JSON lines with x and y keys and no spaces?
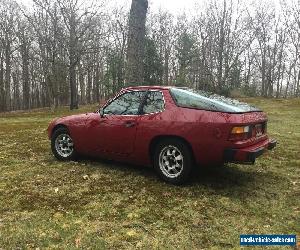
{"x":131,"y":233}
{"x":77,"y":242}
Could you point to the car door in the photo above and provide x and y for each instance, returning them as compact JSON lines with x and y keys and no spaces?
{"x":115,"y":132}
{"x":152,"y":123}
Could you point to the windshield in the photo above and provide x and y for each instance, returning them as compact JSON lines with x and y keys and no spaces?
{"x":189,"y":98}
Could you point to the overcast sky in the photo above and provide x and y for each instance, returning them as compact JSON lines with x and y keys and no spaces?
{"x":174,"y":6}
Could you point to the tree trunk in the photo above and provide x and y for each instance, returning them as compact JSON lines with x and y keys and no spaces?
{"x":82,"y":85}
{"x":263,"y":77}
{"x":298,"y":85}
{"x":136,"y":42}
{"x":73,"y":63}
{"x":25,"y":74}
{"x":17,"y":103}
{"x":221,"y":49}
{"x":89,"y":85}
{"x":7,"y":76}
{"x":288,"y":83}
{"x":166,"y":67}
{"x":2,"y":98}
{"x":96,"y":84}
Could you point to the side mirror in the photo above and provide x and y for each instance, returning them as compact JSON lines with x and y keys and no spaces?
{"x":101,"y":112}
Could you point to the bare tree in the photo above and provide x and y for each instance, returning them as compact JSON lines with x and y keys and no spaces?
{"x":77,"y":22}
{"x":8,"y":21}
{"x":162,"y":30}
{"x":136,"y":41}
{"x":73,"y":52}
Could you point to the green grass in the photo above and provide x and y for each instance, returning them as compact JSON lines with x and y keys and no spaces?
{"x":98,"y":204}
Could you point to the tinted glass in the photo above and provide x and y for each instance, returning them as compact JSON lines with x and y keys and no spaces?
{"x":203,"y":100}
{"x":154,"y":103}
{"x":126,"y":104}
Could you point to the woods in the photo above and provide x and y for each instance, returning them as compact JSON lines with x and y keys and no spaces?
{"x":77,"y":52}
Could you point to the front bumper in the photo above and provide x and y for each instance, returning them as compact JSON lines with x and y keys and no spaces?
{"x":249,"y":154}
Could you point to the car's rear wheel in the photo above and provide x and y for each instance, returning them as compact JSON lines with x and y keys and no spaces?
{"x":173,"y":161}
{"x":62,"y":145}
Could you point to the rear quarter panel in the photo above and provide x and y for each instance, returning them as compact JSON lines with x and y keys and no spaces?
{"x":207,"y":132}
{"x":195,"y":126}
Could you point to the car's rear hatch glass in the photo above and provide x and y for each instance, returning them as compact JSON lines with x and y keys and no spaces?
{"x":189,"y":98}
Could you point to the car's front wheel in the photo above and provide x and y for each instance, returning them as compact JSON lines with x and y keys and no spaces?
{"x":173,"y":161}
{"x":62,"y":145}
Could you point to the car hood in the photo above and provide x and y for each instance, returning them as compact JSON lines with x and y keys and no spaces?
{"x":69,"y":121}
{"x":71,"y":118}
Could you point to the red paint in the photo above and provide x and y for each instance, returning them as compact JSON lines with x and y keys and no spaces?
{"x":128,"y":138}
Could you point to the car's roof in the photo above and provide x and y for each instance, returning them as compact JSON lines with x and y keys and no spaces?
{"x":149,"y":88}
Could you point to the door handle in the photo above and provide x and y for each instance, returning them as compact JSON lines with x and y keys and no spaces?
{"x":129,"y":124}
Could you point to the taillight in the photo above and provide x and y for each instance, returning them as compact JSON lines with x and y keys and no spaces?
{"x":239,"y":133}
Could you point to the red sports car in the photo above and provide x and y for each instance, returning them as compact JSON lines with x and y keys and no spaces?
{"x":170,"y":128}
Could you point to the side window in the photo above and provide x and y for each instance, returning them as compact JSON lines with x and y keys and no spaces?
{"x":126,"y":104}
{"x":154,"y":103}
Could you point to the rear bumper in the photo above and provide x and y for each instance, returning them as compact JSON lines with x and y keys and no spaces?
{"x":249,"y":154}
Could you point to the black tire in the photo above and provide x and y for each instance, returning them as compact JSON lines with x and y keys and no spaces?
{"x":160,"y":152}
{"x":60,"y":132}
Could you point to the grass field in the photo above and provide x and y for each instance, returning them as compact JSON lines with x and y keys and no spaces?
{"x":103,"y":205}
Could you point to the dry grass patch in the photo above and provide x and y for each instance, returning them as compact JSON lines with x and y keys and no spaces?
{"x":98,"y":204}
